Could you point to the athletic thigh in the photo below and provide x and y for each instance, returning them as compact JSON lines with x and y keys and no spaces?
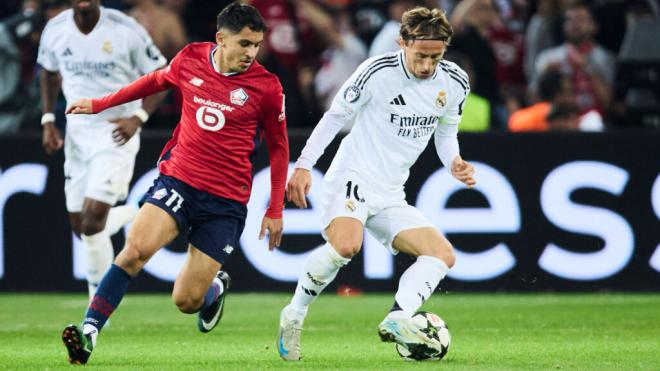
{"x":391,"y":222}
{"x":75,"y":176}
{"x":345,"y":206}
{"x":196,"y":274}
{"x":152,"y":228}
{"x":423,"y":241}
{"x":110,"y":173}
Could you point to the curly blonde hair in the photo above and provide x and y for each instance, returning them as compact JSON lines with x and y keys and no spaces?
{"x":422,"y":23}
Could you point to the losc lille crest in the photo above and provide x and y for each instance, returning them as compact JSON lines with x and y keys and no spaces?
{"x":238,"y":97}
{"x":441,"y":99}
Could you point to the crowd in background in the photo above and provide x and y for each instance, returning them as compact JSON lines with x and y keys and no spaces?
{"x":533,"y":65}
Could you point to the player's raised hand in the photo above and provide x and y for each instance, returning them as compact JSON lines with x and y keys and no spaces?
{"x":51,"y":138}
{"x":81,"y":106}
{"x":274,"y":228}
{"x":463,"y":171}
{"x":125,"y":130}
{"x":298,"y":187}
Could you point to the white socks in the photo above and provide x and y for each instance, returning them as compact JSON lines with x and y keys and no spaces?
{"x":100,"y":255}
{"x":98,"y":247}
{"x":320,"y":269}
{"x":418,"y":283}
{"x":119,"y":216}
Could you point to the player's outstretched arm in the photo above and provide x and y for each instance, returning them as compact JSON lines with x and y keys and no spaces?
{"x":145,"y":86}
{"x":81,"y":106}
{"x":298,"y":187}
{"x":463,"y":171}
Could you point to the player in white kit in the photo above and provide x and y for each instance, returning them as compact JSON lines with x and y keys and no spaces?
{"x":96,"y":51}
{"x":397,"y":102}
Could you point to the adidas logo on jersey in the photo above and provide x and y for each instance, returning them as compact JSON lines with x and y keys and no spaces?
{"x":196,"y":81}
{"x":398,"y":101}
{"x":67,"y":52}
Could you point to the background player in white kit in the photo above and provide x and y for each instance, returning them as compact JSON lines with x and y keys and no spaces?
{"x":96,"y":51}
{"x":398,"y":101}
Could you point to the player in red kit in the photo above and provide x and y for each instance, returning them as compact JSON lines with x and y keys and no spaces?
{"x":229,"y":103}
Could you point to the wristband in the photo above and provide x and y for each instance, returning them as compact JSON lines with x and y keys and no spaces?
{"x":141,"y":114}
{"x":47,"y":117}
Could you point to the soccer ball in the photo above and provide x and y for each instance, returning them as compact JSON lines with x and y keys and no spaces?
{"x":434,"y":327}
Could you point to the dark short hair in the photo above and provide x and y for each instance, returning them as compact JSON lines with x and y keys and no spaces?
{"x":550,"y":84}
{"x":563,"y":110}
{"x":236,"y":16}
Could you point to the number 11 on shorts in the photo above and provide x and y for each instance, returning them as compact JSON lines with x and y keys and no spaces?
{"x":175,"y":197}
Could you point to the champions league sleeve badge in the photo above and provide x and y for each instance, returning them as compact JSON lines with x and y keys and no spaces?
{"x":351,"y":94}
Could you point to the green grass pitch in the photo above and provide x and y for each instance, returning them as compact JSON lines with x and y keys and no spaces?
{"x":499,"y":332}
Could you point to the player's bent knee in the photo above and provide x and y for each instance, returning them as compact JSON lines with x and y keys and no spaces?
{"x":347,"y":249}
{"x":91,"y":227}
{"x":186,"y":304}
{"x":446,"y":254}
{"x":131,"y":259}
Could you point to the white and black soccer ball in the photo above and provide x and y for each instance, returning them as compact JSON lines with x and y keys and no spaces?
{"x":435,"y":328}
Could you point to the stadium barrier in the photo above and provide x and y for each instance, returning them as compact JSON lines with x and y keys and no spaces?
{"x":561,"y":212}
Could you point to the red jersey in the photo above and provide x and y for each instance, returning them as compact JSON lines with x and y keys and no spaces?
{"x":223,"y":118}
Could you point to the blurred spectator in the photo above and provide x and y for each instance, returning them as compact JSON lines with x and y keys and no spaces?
{"x":476,"y":109}
{"x":387,"y":38}
{"x":553,"y":87}
{"x":297,"y":115}
{"x":590,"y":66}
{"x":15,"y":90}
{"x":199,"y":17}
{"x":164,"y":26}
{"x":367,"y":17}
{"x":557,"y":92}
{"x":543,"y":31}
{"x":564,"y":116}
{"x":472,"y":21}
{"x":290,"y":36}
{"x":344,"y":53}
{"x":641,"y":9}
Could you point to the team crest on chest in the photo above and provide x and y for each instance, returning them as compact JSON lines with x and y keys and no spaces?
{"x":441,"y":99}
{"x":107,"y":47}
{"x":238,"y":96}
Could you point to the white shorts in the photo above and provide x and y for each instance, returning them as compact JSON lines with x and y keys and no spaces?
{"x":384,"y":215}
{"x":95,"y":167}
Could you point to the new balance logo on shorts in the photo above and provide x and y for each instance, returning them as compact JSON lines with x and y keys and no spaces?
{"x":398,"y":101}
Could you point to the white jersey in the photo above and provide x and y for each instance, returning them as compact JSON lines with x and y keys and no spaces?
{"x":395,"y":116}
{"x":117,"y":51}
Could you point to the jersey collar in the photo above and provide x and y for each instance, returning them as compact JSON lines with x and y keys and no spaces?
{"x":102,"y":15}
{"x":407,"y":73}
{"x":215,"y":65}
{"x":402,"y":62}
